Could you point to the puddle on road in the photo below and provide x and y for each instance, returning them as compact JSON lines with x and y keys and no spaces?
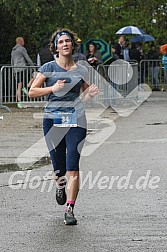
{"x":14,"y":167}
{"x":157,"y":123}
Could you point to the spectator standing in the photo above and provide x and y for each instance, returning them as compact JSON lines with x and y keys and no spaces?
{"x":44,"y":54}
{"x":111,"y":69}
{"x":114,"y":55}
{"x":134,"y":53}
{"x":119,"y":47}
{"x":93,"y":56}
{"x":19,"y":59}
{"x":142,"y":67}
{"x":125,"y":51}
{"x":77,"y":54}
{"x":164,"y":63}
{"x":153,"y":56}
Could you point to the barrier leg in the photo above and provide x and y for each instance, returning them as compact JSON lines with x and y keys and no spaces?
{"x":5,"y":108}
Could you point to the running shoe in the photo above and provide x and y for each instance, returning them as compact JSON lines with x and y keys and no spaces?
{"x":69,"y":218}
{"x":61,"y":195}
{"x":25,"y":90}
{"x":19,"y":105}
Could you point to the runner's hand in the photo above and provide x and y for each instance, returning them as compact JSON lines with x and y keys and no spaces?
{"x":93,"y":90}
{"x":58,"y":86}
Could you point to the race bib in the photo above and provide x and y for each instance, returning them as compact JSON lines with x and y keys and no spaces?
{"x":65,"y":119}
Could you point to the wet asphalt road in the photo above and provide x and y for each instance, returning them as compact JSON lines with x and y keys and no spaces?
{"x":113,"y":215}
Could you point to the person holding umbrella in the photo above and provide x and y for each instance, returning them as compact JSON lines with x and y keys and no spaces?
{"x":119,"y":47}
{"x":134,"y":53}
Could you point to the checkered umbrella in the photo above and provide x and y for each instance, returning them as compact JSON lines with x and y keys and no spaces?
{"x":102,"y":46}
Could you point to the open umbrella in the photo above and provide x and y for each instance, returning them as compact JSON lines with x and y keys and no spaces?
{"x":163,"y":49}
{"x":142,"y":38}
{"x":102,"y":46}
{"x":130,"y":30}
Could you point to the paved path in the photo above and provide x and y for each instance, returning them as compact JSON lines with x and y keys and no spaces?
{"x":115,"y":213}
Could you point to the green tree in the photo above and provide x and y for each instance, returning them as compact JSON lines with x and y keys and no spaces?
{"x":38,"y":19}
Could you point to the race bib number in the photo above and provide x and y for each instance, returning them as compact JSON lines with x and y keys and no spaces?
{"x":65,"y":119}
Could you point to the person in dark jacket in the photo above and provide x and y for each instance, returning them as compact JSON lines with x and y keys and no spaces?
{"x":134,"y":53}
{"x":119,"y":47}
{"x":77,"y":55}
{"x":93,"y":56}
{"x":153,"y":56}
{"x":137,"y":54}
{"x":44,"y":54}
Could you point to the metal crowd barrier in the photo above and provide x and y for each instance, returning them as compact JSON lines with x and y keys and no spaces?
{"x":151,"y":72}
{"x":1,"y":90}
{"x":112,"y":81}
{"x":9,"y":77}
{"x":108,"y":78}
